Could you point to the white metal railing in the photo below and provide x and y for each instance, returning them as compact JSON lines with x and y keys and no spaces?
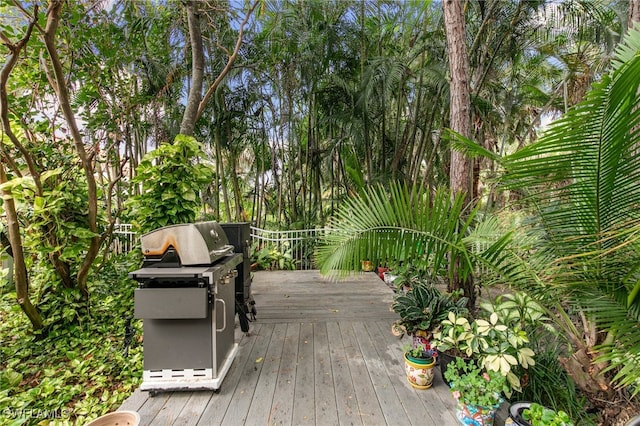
{"x":296,"y":246}
{"x":124,"y":239}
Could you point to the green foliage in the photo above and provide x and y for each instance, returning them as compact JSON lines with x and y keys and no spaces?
{"x":539,"y":415}
{"x":78,"y":370}
{"x":581,"y":180}
{"x":405,"y":276}
{"x":420,"y":352}
{"x":171,"y":178}
{"x":498,"y":339}
{"x":55,"y":223}
{"x":548,"y":382}
{"x":472,"y":385}
{"x":269,"y":258}
{"x":397,"y":225}
{"x":504,"y":335}
{"x":455,"y":336}
{"x":424,"y":306}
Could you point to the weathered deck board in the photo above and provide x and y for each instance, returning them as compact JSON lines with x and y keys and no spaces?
{"x":320,"y":353}
{"x":282,"y":404}
{"x":325,"y":399}
{"x":266,"y":386}
{"x":343,"y":388}
{"x":368,"y":406}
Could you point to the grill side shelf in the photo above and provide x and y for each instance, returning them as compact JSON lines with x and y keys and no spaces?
{"x":186,"y":272}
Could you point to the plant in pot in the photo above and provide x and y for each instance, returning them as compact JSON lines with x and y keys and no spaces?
{"x":422,"y":309}
{"x":534,"y":414}
{"x":419,"y":363}
{"x":405,"y":276}
{"x":502,"y":334}
{"x":455,"y":338}
{"x":497,"y":340}
{"x":478,"y":392}
{"x":366,"y":265}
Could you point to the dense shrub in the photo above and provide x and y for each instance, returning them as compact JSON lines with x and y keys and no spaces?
{"x":80,"y":367}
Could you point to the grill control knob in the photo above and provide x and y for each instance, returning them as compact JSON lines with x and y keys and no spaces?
{"x":227,"y":279}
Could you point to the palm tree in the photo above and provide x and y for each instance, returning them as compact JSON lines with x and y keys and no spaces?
{"x":581,"y":179}
{"x":580,"y":252}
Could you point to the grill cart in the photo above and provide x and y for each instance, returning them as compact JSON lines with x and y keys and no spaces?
{"x":186,"y":298}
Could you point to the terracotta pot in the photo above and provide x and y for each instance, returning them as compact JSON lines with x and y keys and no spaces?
{"x":419,"y":371}
{"x":381,"y":272}
{"x":120,"y":418}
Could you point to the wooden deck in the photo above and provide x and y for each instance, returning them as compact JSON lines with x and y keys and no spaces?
{"x":320,"y":353}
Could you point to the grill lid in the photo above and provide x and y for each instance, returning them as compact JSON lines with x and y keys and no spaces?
{"x":201,"y":243}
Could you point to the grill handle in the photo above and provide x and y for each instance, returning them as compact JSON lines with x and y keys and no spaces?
{"x":224,"y":315}
{"x":227,"y":249}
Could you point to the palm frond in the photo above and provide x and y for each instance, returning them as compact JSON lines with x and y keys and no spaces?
{"x":584,"y":170}
{"x":582,"y":177}
{"x":399,"y":224}
{"x":469,"y":147}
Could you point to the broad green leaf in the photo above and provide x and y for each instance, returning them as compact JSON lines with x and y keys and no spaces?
{"x":189,"y":195}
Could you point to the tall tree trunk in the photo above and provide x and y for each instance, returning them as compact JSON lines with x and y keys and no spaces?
{"x":633,"y":16}
{"x":21,"y":278}
{"x":218,"y":134}
{"x":60,"y":87}
{"x":196,"y":102}
{"x":363,"y":110}
{"x":295,"y":162}
{"x":408,"y":143}
{"x":197,"y":69}
{"x":460,"y":121}
{"x":460,"y":103}
{"x":426,"y":139}
{"x":240,"y":216}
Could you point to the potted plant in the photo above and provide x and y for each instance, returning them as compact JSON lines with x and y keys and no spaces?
{"x":131,"y":418}
{"x":497,"y":340}
{"x":503,"y":340}
{"x":407,"y":275}
{"x":454,"y":339}
{"x":477,"y":391}
{"x":419,"y":363}
{"x":534,"y":414}
{"x":367,"y":265}
{"x":422,"y":309}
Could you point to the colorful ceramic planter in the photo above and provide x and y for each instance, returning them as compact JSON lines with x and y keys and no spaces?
{"x":475,"y":415}
{"x":419,"y":371}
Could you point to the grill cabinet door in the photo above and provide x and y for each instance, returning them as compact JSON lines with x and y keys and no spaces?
{"x":170,"y":303}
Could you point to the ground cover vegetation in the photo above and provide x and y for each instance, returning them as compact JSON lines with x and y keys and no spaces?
{"x":281,"y":112}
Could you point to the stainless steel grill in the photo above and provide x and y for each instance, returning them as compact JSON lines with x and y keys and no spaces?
{"x":186,"y":299}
